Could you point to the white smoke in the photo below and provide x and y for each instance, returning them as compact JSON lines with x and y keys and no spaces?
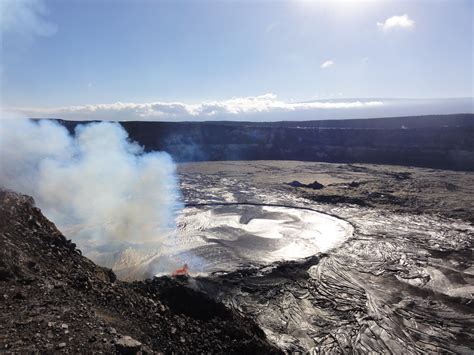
{"x":25,"y":18}
{"x":100,"y":188}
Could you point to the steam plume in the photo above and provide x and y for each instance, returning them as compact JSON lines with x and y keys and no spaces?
{"x":97,"y":186}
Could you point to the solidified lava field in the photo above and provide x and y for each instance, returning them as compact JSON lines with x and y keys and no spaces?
{"x":395,"y":274}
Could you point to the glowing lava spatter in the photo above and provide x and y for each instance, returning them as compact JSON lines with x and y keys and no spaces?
{"x":182,"y":271}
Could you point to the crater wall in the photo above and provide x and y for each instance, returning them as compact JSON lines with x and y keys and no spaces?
{"x":443,"y":141}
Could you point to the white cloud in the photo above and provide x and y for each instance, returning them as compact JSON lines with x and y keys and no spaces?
{"x":263,"y":106}
{"x":397,"y":22}
{"x":327,"y":64}
{"x":25,"y":18}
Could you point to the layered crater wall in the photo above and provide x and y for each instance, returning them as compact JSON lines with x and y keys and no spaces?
{"x":444,"y":141}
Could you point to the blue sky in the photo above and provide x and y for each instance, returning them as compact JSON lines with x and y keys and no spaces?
{"x":83,"y":57}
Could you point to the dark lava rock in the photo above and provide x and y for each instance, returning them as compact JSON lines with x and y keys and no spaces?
{"x":314,"y":185}
{"x":338,"y":199}
{"x":400,"y":175}
{"x":184,"y":300}
{"x":6,"y":275}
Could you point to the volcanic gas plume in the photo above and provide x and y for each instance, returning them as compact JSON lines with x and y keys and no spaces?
{"x":101,"y":189}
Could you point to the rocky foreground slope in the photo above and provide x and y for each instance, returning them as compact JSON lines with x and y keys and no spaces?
{"x":54,"y":299}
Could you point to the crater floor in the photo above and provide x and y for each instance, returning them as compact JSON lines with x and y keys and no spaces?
{"x":404,"y":280}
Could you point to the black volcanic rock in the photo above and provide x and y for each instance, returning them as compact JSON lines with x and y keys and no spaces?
{"x":54,"y":299}
{"x":314,"y":185}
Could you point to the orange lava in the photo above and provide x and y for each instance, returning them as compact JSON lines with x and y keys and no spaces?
{"x":182,"y":271}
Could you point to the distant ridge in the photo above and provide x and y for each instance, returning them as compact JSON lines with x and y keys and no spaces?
{"x":396,"y":122}
{"x":434,"y":141}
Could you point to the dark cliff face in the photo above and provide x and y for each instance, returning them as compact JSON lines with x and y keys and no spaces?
{"x":444,"y":142}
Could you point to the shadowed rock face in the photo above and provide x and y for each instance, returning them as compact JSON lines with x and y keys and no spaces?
{"x":443,"y":141}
